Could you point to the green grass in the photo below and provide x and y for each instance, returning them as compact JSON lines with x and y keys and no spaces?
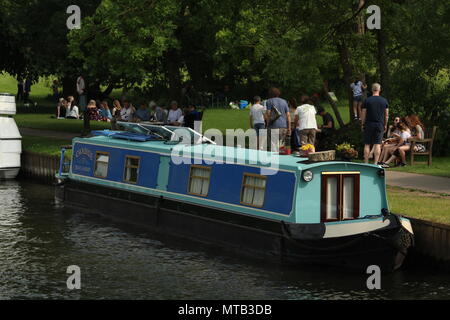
{"x":419,"y":205}
{"x":40,"y":91}
{"x":43,"y":145}
{"x":44,"y":122}
{"x":439,"y":167}
{"x":223,"y":119}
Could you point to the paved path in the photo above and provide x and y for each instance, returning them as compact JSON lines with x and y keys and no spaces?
{"x":418,"y":181}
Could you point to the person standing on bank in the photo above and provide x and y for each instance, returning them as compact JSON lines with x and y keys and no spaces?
{"x":374,"y":119}
{"x":305,"y":121}
{"x":258,"y":120}
{"x":357,"y":87}
{"x":279,"y":119}
{"x":81,"y":90}
{"x":20,"y":90}
{"x":27,"y":90}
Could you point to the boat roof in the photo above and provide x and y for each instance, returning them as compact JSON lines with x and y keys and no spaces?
{"x":213,"y":153}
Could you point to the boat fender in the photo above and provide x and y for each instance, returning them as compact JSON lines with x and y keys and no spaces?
{"x":313,"y":231}
{"x":310,"y":246}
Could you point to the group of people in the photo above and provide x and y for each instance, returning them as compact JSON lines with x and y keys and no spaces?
{"x":393,"y":149}
{"x":294,"y":123}
{"x":100,"y":110}
{"x":23,"y":90}
{"x":398,"y":141}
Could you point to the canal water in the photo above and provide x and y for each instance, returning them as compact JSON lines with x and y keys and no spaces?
{"x":39,"y":239}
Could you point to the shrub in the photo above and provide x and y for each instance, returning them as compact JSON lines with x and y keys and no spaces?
{"x":351,"y":134}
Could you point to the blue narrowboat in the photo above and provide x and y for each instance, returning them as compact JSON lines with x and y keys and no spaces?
{"x":329,"y":213}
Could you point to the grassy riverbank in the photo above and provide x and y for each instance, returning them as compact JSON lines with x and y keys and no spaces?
{"x":420,"y":205}
{"x":440,"y":166}
{"x":44,"y":145}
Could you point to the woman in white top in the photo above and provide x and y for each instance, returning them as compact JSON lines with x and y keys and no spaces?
{"x":403,"y":146}
{"x":175,"y":116}
{"x":417,"y":131}
{"x":72,"y":109}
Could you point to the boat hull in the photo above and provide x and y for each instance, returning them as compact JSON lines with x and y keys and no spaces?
{"x":253,"y":236}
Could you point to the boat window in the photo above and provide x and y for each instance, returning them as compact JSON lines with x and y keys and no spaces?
{"x":340,"y":196}
{"x":101,"y":164}
{"x":199,"y":180}
{"x":131,"y":169}
{"x":253,"y":190}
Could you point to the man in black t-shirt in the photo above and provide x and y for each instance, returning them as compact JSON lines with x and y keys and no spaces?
{"x":375,"y":114}
{"x":327,"y":127}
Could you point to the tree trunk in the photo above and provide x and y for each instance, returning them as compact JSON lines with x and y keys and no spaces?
{"x":361,"y":25}
{"x":69,"y":84}
{"x":108,"y":90}
{"x":332,"y":103}
{"x":173,"y":74}
{"x":344,"y":56}
{"x":383,"y":62}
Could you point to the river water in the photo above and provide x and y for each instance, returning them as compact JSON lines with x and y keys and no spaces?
{"x":39,"y":239}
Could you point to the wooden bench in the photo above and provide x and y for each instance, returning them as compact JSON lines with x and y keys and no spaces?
{"x":429,"y":135}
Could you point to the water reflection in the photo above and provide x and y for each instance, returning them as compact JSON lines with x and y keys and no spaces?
{"x":39,"y":239}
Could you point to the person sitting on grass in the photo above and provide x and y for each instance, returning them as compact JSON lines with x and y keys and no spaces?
{"x":104,"y":112}
{"x":92,"y":111}
{"x":402,"y":147}
{"x":61,"y":109}
{"x":191,"y":116}
{"x":158,"y":114}
{"x":72,"y":110}
{"x":175,"y":116}
{"x":126,"y":113}
{"x":141,"y":114}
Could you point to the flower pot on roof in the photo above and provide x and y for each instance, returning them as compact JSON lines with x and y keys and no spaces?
{"x":346,"y":152}
{"x":306,"y":149}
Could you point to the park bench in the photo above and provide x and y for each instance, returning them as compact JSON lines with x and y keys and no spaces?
{"x":429,"y":135}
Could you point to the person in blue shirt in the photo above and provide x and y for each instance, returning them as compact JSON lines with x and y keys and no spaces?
{"x":191,"y":116}
{"x":142,"y":114}
{"x":279,"y":119}
{"x":105,"y":112}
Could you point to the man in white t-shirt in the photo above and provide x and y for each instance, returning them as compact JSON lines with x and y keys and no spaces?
{"x":305,"y":121}
{"x":258,"y":120}
{"x":126,"y":113}
{"x":175,"y":116}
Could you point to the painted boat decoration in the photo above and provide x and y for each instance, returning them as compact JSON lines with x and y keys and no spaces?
{"x":329,"y":213}
{"x":10,"y":138}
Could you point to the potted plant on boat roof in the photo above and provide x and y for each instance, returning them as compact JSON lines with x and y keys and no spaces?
{"x":346,"y":151}
{"x":306,"y":149}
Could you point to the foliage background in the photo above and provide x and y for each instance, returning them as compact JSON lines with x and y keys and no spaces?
{"x":154,"y":48}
